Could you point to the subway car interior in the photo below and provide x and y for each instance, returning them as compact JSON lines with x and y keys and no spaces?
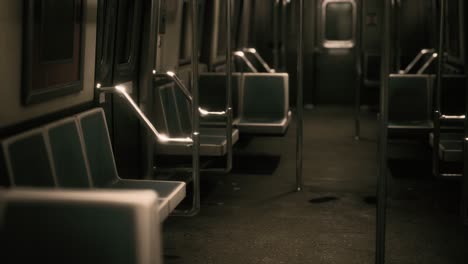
{"x":233,"y":131}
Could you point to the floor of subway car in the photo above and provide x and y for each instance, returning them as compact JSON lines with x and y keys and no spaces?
{"x":253,"y":215}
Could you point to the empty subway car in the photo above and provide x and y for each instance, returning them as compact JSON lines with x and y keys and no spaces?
{"x":233,"y":131}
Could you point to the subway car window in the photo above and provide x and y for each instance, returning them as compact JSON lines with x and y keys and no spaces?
{"x":339,"y":23}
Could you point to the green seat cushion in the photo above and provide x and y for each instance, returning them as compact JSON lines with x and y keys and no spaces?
{"x":29,"y":160}
{"x":69,"y":161}
{"x":410,"y":99}
{"x":263,"y":98}
{"x":98,"y":148}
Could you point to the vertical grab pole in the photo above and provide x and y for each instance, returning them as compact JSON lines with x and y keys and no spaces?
{"x":300,"y":99}
{"x":228,"y":86}
{"x":358,"y":54}
{"x":275,"y":34}
{"x":382,"y":178}
{"x":284,"y":6}
{"x":195,"y":113}
{"x":437,"y":113}
{"x":464,"y":203}
{"x":397,"y":32}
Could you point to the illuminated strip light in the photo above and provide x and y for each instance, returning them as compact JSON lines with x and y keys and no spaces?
{"x":122,"y":91}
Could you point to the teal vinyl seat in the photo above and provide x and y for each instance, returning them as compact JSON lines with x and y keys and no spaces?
{"x":212,"y":86}
{"x":68,"y":154}
{"x":102,"y":164}
{"x":176,"y":119}
{"x":410,"y":102}
{"x":27,"y":160}
{"x":450,"y":146}
{"x":264,"y":104}
{"x":260,"y":100}
{"x":55,"y":226}
{"x":76,"y":152}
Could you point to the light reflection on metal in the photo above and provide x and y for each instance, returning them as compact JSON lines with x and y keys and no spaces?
{"x":239,"y":54}
{"x":428,"y":63}
{"x":417,"y":58}
{"x":259,"y":58}
{"x":242,"y":56}
{"x":122,"y":91}
{"x":173,"y":76}
{"x":204,"y":112}
{"x":452,"y":117}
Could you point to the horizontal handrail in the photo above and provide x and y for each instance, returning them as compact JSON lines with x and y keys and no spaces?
{"x":122,"y":91}
{"x":259,"y":58}
{"x":452,"y":117}
{"x":171,"y":75}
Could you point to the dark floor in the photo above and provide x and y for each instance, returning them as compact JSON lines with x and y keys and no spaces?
{"x":253,"y":216}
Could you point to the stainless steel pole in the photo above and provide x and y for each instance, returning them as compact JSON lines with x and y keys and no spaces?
{"x":437,"y":110}
{"x":146,"y":86}
{"x":284,"y":37}
{"x":300,"y":99}
{"x":464,"y":203}
{"x":195,"y":113}
{"x":228,"y":86}
{"x":358,"y":54}
{"x":382,"y":178}
{"x":275,"y":35}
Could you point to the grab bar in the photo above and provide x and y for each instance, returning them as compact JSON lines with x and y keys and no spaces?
{"x":171,"y":75}
{"x":428,"y":63}
{"x":241,"y":55}
{"x":122,"y":91}
{"x":259,"y":58}
{"x":452,"y":117}
{"x":416,"y":59}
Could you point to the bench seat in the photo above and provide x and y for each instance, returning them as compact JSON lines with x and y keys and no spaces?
{"x":76,"y":152}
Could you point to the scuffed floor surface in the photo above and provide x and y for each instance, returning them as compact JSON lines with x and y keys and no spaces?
{"x":253,"y":215}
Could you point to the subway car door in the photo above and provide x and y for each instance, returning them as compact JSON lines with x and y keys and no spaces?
{"x":336,"y":51}
{"x":117,"y":63}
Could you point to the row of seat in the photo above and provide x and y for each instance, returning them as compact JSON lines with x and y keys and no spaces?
{"x":413,"y":109}
{"x":76,"y":152}
{"x":254,"y":113}
{"x":260,"y":100}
